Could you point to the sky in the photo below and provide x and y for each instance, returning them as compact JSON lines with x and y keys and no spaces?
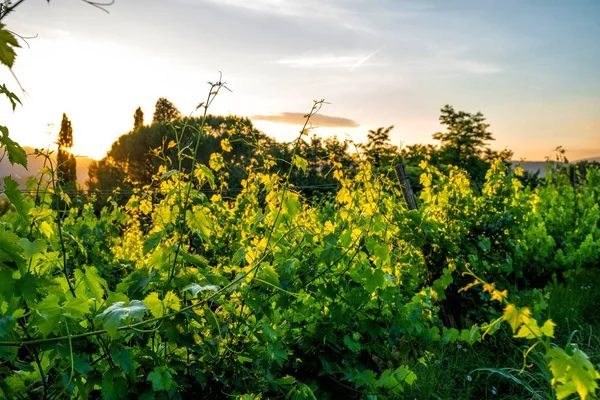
{"x":530,"y":66}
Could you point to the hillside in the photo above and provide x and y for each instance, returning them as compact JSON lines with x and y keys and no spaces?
{"x":35,"y":163}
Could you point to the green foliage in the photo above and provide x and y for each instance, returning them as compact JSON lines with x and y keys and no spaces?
{"x":171,"y":293}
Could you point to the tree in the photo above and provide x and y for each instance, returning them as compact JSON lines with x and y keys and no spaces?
{"x":138,"y":119}
{"x":165,"y":111}
{"x":465,"y":137}
{"x":66,"y":168}
{"x":378,"y":148}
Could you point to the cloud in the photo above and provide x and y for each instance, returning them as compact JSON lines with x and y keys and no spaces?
{"x":350,"y":62}
{"x":329,"y":11}
{"x":286,"y":7}
{"x":296,"y":118}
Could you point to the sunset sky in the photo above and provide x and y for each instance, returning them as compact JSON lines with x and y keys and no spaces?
{"x":531,"y":66}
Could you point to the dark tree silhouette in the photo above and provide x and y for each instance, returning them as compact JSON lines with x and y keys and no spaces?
{"x":165,"y":111}
{"x":66,"y":163}
{"x":138,"y":119}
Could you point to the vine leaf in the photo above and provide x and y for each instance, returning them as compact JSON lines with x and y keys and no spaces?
{"x":516,"y":317}
{"x":32,"y":248}
{"x":194,"y":288}
{"x":81,"y":363}
{"x":10,"y":252}
{"x":52,"y":312}
{"x":7,"y":44}
{"x":7,"y":324}
{"x":11,"y":189}
{"x":572,"y":373}
{"x":114,"y":315}
{"x":161,"y":379}
{"x":16,"y":154}
{"x":11,"y":96}
{"x":154,"y":304}
{"x":91,"y":281}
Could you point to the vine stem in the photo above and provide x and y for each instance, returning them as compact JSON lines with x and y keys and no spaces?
{"x":125,"y":327}
{"x":315,"y":109}
{"x":59,"y":226}
{"x":212,"y":94}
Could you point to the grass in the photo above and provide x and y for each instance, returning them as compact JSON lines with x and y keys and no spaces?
{"x":492,"y":369}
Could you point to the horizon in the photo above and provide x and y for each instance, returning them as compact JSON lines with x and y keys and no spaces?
{"x":531,"y":73}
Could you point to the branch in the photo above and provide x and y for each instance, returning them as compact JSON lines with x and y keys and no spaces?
{"x":101,"y":331}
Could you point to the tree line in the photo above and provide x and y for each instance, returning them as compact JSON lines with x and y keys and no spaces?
{"x":135,"y":158}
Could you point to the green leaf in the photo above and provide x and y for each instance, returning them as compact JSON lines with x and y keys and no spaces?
{"x":204,"y":171}
{"x":286,"y":380}
{"x":154,"y":304}
{"x":449,"y":336}
{"x":194,"y":288}
{"x":114,"y":315}
{"x":212,"y":320}
{"x":113,"y":389}
{"x":123,"y":359}
{"x":572,"y":373}
{"x":7,"y":324}
{"x":81,"y":364}
{"x":50,"y":310}
{"x":516,"y":317}
{"x":194,"y":259}
{"x":168,"y":174}
{"x":11,"y":189}
{"x":199,"y":221}
{"x":7,"y":44}
{"x":548,"y":328}
{"x":76,"y":308}
{"x":375,"y":280}
{"x":32,"y":248}
{"x":351,"y":344}
{"x":292,"y":204}
{"x":10,"y":252}
{"x":269,"y":274}
{"x":11,"y":96}
{"x":16,"y":154}
{"x":152,"y":241}
{"x":299,"y":162}
{"x":243,"y":359}
{"x":92,"y":282}
{"x":161,"y":379}
{"x":28,"y":286}
{"x":171,"y":301}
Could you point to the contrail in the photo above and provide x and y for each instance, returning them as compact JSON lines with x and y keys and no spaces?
{"x":365,"y":58}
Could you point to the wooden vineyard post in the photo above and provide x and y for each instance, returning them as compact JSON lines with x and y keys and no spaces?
{"x":407,"y":191}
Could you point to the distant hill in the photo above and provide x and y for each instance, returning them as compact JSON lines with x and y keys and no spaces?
{"x":591,"y":159}
{"x":34,"y":164}
{"x":532,"y":166}
{"x":540,"y":166}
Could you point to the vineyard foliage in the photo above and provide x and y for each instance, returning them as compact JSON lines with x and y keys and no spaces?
{"x":185,"y":290}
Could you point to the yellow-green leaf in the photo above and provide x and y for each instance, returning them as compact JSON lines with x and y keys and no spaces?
{"x":171,"y":301}
{"x":548,"y":328}
{"x":154,"y":305}
{"x":515,"y":316}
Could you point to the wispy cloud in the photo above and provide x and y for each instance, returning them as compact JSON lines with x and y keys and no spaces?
{"x":454,"y":59}
{"x":312,"y":61}
{"x":329,"y":11}
{"x":328,"y":8}
{"x":296,"y":118}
